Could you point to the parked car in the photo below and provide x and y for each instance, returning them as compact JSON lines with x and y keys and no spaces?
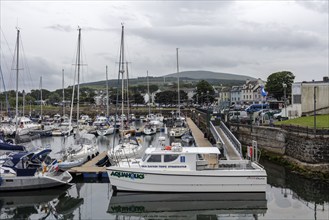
{"x":277,"y":115}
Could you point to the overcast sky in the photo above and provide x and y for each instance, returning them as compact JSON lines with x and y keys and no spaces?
{"x":254,"y":38}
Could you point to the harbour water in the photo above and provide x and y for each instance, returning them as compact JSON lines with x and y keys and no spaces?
{"x":288,"y":196}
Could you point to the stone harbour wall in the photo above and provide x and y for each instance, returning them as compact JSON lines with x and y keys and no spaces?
{"x":305,"y":148}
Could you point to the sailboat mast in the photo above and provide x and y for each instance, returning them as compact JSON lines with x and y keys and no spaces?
{"x":107,"y":94}
{"x":128,"y":112}
{"x":78,"y":63}
{"x":178,"y":92}
{"x":17,"y":71}
{"x":148,"y":91}
{"x":122,"y":72}
{"x":41,"y":97}
{"x":63,"y":92}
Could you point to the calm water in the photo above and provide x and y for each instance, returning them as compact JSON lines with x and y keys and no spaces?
{"x":288,"y":196}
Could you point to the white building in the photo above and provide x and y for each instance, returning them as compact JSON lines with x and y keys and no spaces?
{"x":306,"y":94}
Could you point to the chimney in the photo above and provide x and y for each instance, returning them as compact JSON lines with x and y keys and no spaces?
{"x":325,"y":79}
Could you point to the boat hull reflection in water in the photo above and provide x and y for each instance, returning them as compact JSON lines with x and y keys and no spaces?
{"x":187,"y":205}
{"x":38,"y":204}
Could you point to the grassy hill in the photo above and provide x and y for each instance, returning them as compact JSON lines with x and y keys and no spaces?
{"x":186,"y":77}
{"x":202,"y":74}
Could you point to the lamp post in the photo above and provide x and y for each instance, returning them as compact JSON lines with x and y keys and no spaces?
{"x":285,"y":98}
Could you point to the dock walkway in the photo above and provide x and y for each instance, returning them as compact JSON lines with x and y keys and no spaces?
{"x":201,"y":141}
{"x":90,"y":166}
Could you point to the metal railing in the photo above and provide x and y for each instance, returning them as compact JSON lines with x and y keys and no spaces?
{"x":217,"y":137}
{"x":232,"y":138}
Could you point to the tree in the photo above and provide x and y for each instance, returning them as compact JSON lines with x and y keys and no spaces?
{"x":204,"y":92}
{"x":54,"y":97}
{"x":138,"y":98}
{"x":274,"y":85}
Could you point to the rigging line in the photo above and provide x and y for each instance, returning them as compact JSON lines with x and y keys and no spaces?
{"x":6,"y":95}
{"x":7,"y":68}
{"x":25,"y":63}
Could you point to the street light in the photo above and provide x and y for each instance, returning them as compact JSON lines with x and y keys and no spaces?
{"x":285,"y":99}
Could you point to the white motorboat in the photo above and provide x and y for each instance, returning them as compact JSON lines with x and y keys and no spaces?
{"x":185,"y":169}
{"x":25,"y":125}
{"x":105,"y":130}
{"x":28,"y":170}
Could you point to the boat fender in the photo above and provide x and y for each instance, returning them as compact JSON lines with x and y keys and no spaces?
{"x":167,"y":148}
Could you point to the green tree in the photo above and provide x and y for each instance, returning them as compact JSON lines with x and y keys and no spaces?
{"x":204,"y":92}
{"x":138,"y":98}
{"x":54,"y":97}
{"x":274,"y":85}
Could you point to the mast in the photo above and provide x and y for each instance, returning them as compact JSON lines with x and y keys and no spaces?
{"x":107,"y":94}
{"x":63,"y":92}
{"x":128,"y":112}
{"x":17,"y":71}
{"x":148,"y":91}
{"x":78,"y":64}
{"x":41,"y":97}
{"x":122,"y":71}
{"x":178,"y":84}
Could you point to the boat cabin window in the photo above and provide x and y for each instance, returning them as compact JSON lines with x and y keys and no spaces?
{"x":199,"y":157}
{"x":170,"y":157}
{"x":154,"y":158}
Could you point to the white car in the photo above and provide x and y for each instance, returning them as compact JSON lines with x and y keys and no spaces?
{"x":277,"y":115}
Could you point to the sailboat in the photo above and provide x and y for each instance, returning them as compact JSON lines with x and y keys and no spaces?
{"x":64,"y":127}
{"x":179,"y":128}
{"x":103,"y":125}
{"x":129,"y":146}
{"x":149,"y":128}
{"x":84,"y":147}
{"x":23,"y":125}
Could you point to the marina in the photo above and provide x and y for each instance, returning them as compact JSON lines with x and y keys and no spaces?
{"x":92,"y":196}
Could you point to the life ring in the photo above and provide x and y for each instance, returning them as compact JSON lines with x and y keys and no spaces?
{"x":167,"y":148}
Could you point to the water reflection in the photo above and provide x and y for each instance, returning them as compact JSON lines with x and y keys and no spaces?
{"x":42,"y":204}
{"x":188,"y":205}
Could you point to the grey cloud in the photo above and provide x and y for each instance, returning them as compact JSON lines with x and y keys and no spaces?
{"x":254,"y":37}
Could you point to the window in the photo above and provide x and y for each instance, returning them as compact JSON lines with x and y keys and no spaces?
{"x":154,"y":158}
{"x":170,"y":157}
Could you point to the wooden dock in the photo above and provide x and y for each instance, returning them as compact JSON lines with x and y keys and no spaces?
{"x":90,"y":168}
{"x":201,"y":141}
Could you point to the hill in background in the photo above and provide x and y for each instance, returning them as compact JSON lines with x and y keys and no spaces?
{"x":186,"y":77}
{"x":202,"y":74}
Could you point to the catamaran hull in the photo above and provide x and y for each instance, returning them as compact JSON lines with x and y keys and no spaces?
{"x":180,"y":181}
{"x":17,"y":183}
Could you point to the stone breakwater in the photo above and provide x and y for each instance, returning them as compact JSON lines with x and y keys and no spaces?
{"x":310,"y":152}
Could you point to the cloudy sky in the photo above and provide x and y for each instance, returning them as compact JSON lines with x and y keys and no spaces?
{"x":254,"y":38}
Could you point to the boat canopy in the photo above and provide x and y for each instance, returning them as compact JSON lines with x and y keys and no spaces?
{"x":11,"y":147}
